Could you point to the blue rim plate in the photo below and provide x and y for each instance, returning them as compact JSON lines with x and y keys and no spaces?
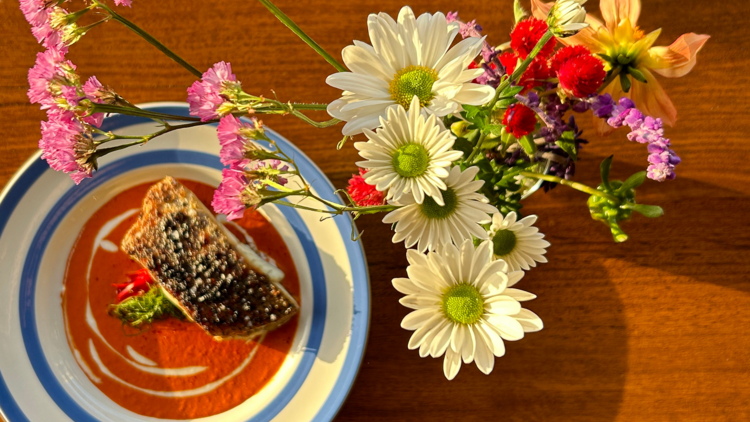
{"x":41,"y":211}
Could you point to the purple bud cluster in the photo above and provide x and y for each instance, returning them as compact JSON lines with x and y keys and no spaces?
{"x":643,"y":129}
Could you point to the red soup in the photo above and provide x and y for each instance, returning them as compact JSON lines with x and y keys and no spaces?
{"x":172,"y":369}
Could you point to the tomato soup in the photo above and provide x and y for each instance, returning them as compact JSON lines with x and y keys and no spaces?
{"x":171,"y":369}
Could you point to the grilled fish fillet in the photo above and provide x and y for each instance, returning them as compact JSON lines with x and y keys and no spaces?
{"x":222,"y":285}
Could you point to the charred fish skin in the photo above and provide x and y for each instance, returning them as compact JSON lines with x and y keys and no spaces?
{"x":189,"y":254}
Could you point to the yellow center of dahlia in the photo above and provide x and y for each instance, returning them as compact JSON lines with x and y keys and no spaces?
{"x":411,"y":81}
{"x":503,"y":242}
{"x":410,"y":160}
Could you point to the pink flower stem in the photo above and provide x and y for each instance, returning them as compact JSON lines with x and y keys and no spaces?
{"x":140,"y":139}
{"x":151,"y":40}
{"x":135,"y":111}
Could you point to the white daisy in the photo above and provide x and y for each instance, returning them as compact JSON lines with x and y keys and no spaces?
{"x":463,"y":306}
{"x":407,"y":58}
{"x":433,"y":225}
{"x":409,"y":154}
{"x":517,"y":242}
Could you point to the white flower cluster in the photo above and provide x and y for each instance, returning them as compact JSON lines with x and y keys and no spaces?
{"x":396,"y":93}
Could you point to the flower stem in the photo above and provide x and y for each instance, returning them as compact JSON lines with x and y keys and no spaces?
{"x":151,"y":40}
{"x":141,"y":139}
{"x":319,"y":125}
{"x":300,"y":33}
{"x":134,"y":111}
{"x":575,"y":185}
{"x":522,"y":67}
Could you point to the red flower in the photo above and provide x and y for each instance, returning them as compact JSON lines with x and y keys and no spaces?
{"x":509,"y":60}
{"x":581,"y":76}
{"x":519,"y":120}
{"x":534,"y":75}
{"x":140,"y":282}
{"x":567,"y":53}
{"x":527,"y":34}
{"x":364,"y":194}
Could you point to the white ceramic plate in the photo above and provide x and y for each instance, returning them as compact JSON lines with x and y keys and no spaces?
{"x":41,"y":212}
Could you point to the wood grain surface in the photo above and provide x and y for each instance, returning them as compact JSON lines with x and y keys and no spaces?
{"x":655,"y":329}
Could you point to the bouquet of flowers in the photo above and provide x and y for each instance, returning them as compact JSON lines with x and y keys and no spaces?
{"x":454,"y":132}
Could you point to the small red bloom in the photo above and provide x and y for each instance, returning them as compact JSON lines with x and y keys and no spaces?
{"x":527,"y":34}
{"x":565,"y":54}
{"x":534,"y":75}
{"x":582,"y":76}
{"x":519,"y":120}
{"x":140,"y":282}
{"x":509,"y":60}
{"x":364,"y":194}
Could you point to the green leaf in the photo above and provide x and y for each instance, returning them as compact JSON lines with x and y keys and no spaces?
{"x":637,"y":75}
{"x":518,"y":11}
{"x":511,"y":91}
{"x":527,"y":142}
{"x":495,"y":130}
{"x":471,"y":111}
{"x":650,"y":211}
{"x":568,"y":144}
{"x":606,"y":57}
{"x":633,"y":182}
{"x":505,"y":102}
{"x":625,"y":82}
{"x":463,"y":145}
{"x":604,"y":169}
{"x":490,"y":143}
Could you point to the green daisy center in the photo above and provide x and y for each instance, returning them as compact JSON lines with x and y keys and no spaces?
{"x":463,"y":304}
{"x":503,"y":242}
{"x":411,"y":81}
{"x":432,"y":210}
{"x":410,"y":160}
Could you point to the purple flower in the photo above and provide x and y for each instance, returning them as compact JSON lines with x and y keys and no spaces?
{"x":128,"y":3}
{"x":661,"y":172}
{"x":234,"y":194}
{"x":270,"y":169}
{"x":235,"y":138}
{"x":207,"y":95}
{"x":648,"y":132}
{"x":603,"y":106}
{"x":67,"y":145}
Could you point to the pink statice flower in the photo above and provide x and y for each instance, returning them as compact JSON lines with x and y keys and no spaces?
{"x":35,"y":11}
{"x":207,"y":96}
{"x":236,"y":139}
{"x":269,"y":169}
{"x":128,"y":3}
{"x":234,"y":194}
{"x":67,"y":145}
{"x":50,"y":71}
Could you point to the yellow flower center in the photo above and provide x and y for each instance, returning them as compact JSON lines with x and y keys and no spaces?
{"x":410,"y":160}
{"x":463,"y":304}
{"x":411,"y":81}
{"x":433,"y":211}
{"x":503,"y":242}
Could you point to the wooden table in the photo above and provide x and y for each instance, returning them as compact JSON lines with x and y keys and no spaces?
{"x":655,"y":329}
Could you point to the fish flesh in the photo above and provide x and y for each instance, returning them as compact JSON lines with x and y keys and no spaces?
{"x":218,"y":283}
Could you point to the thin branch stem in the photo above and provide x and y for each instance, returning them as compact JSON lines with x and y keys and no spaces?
{"x":134,"y":111}
{"x":575,"y":185}
{"x":300,"y":33}
{"x":151,"y":40}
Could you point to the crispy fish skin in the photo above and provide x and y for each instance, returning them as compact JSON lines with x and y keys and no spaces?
{"x":200,"y":267}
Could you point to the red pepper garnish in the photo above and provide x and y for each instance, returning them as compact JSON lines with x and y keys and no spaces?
{"x":140,"y":282}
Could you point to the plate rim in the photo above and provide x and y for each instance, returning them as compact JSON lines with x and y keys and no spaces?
{"x":339,"y":393}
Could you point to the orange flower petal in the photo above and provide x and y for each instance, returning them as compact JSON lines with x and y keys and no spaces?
{"x":652,"y":100}
{"x":615,"y":11}
{"x":678,"y":59}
